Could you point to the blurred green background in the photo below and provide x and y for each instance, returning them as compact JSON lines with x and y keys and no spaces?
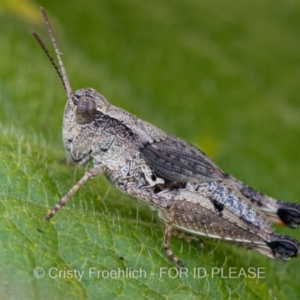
{"x":223,"y":75}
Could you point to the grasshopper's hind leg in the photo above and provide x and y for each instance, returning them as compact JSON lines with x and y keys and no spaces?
{"x":279,"y":212}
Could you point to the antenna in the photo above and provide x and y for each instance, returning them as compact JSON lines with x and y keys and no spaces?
{"x":60,"y":71}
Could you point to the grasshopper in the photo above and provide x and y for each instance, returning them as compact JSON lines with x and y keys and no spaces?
{"x":191,"y":194}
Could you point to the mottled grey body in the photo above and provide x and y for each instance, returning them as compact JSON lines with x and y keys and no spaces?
{"x":166,"y":173}
{"x":190,"y":192}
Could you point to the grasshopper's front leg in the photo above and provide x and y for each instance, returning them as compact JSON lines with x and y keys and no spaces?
{"x":91,"y":173}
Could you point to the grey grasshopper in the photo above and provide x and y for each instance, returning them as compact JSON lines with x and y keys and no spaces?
{"x":192,"y":195}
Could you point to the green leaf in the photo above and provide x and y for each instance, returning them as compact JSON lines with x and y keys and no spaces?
{"x":221,"y":75}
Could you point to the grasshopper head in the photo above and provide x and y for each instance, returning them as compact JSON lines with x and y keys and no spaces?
{"x":83,"y":110}
{"x":82,"y":118}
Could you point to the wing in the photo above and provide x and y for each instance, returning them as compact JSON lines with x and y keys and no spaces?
{"x":178,"y":161}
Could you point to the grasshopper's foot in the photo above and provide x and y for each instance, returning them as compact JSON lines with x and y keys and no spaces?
{"x":172,"y":256}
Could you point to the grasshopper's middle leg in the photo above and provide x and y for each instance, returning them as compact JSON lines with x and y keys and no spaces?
{"x":167,"y":237}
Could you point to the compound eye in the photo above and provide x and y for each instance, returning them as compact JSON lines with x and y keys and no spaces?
{"x":86,"y":110}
